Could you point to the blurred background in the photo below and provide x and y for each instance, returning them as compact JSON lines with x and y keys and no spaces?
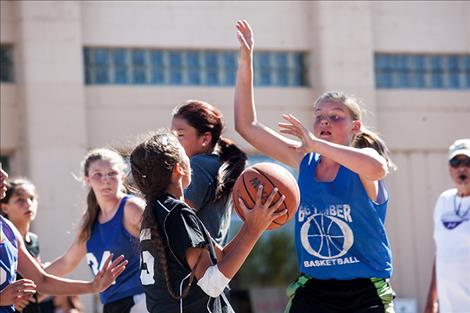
{"x":82,"y":74}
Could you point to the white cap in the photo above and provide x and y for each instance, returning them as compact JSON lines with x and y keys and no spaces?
{"x":459,"y":147}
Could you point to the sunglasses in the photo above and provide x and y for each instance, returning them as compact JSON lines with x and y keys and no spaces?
{"x":458,"y":162}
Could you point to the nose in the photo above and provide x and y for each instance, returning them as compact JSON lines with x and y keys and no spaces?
{"x":324,"y":122}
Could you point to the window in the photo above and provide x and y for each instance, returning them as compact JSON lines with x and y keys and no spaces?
{"x":6,"y":64}
{"x":422,"y":71}
{"x":115,"y":66}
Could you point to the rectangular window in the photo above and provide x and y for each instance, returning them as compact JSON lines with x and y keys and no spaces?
{"x":6,"y":64}
{"x":421,"y":71}
{"x":190,"y":67}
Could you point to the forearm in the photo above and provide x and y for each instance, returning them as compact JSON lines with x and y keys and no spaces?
{"x":59,"y":267}
{"x":54,"y":285}
{"x":245,"y":114}
{"x":431,"y":303}
{"x":372,"y":167}
{"x":236,"y":252}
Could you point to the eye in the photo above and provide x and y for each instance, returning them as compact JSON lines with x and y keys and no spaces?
{"x":113,"y":174}
{"x":97,"y":176}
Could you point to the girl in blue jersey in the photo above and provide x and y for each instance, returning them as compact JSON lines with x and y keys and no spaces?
{"x":15,"y":258}
{"x":183,"y":269}
{"x":215,"y":164}
{"x":110,"y":225}
{"x":342,"y":248}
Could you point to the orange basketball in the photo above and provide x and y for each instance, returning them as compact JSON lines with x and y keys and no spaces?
{"x":269,"y":175}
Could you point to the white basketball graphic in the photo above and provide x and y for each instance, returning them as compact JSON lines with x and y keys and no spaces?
{"x":326,"y":237}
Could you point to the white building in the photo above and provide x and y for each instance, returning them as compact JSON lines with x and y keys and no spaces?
{"x":77,"y":75}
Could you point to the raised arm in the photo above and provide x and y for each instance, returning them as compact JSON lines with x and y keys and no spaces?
{"x":263,"y":138}
{"x":69,"y":261}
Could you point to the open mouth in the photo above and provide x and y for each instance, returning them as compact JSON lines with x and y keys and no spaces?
{"x":325,"y":133}
{"x":463,"y":177}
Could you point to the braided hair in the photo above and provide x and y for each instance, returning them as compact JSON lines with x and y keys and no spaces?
{"x":152,"y":164}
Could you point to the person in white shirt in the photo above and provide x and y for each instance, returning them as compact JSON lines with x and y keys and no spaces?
{"x":450,"y":288}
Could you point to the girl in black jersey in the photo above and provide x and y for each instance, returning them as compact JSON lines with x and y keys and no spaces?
{"x":182,"y":269}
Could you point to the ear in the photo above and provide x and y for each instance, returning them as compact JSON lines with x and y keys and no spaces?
{"x":206,"y":139}
{"x":178,"y":170}
{"x":3,"y":209}
{"x":86,"y":181}
{"x":356,"y":127}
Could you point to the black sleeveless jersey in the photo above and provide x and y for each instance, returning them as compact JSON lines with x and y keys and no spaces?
{"x":180,"y":229}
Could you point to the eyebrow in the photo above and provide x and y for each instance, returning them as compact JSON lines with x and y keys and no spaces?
{"x":332,"y":109}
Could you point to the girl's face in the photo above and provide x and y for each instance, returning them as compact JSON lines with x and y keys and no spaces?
{"x":188,"y":136}
{"x":105,"y":178}
{"x":186,"y":179}
{"x":22,"y":206}
{"x":333,"y":123}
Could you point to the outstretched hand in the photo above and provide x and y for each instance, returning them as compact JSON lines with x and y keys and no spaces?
{"x":295,"y":128}
{"x":264,"y":212}
{"x":245,"y":36}
{"x":107,"y":275}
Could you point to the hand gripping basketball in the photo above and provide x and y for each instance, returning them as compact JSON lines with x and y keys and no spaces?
{"x":264,"y":211}
{"x":271,"y":176}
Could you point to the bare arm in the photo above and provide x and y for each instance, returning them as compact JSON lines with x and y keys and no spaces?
{"x":232,"y":257}
{"x":47,"y":283}
{"x":66,"y":263}
{"x":432,"y":304}
{"x":133,"y":215}
{"x":261,"y":137}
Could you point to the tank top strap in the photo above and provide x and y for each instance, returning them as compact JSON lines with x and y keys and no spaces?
{"x":120,"y":210}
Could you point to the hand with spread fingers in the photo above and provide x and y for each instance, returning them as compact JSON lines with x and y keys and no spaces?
{"x":107,"y":275}
{"x":18,"y":293}
{"x":295,"y":128}
{"x":263,"y":213}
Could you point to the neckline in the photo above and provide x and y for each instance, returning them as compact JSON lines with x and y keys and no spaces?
{"x":115,"y":212}
{"x":327,"y":181}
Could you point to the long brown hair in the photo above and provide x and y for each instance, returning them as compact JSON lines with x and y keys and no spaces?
{"x":207,"y":118}
{"x":152,"y":164}
{"x":92,"y":210}
{"x":366,"y":138}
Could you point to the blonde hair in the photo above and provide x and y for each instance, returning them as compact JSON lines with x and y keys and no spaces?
{"x":366,"y":138}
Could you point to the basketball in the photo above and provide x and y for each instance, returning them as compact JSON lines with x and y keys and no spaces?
{"x":269,"y":175}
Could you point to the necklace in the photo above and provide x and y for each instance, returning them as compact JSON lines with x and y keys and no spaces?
{"x":458,"y":207}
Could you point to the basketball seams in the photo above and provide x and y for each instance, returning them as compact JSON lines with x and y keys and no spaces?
{"x":278,"y":192}
{"x":247,"y":191}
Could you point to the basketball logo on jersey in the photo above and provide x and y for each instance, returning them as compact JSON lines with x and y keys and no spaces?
{"x":326,"y":235}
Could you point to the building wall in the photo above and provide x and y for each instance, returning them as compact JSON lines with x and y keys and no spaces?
{"x":49,"y":118}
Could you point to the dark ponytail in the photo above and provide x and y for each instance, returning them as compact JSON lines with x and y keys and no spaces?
{"x":233,"y":163}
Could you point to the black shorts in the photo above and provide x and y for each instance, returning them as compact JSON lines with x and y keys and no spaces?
{"x":123,"y":305}
{"x":361,"y":295}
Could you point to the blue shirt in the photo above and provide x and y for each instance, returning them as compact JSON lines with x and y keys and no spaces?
{"x":339,"y":230}
{"x":8,"y":258}
{"x":112,"y":237}
{"x":215,"y":215}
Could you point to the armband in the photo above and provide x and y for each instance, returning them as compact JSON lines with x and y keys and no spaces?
{"x":213,"y":282}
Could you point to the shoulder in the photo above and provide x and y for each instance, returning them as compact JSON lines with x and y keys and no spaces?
{"x":133,"y":210}
{"x":205,"y":161}
{"x":134,"y":205}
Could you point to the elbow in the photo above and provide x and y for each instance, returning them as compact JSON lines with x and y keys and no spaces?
{"x":378,"y":172}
